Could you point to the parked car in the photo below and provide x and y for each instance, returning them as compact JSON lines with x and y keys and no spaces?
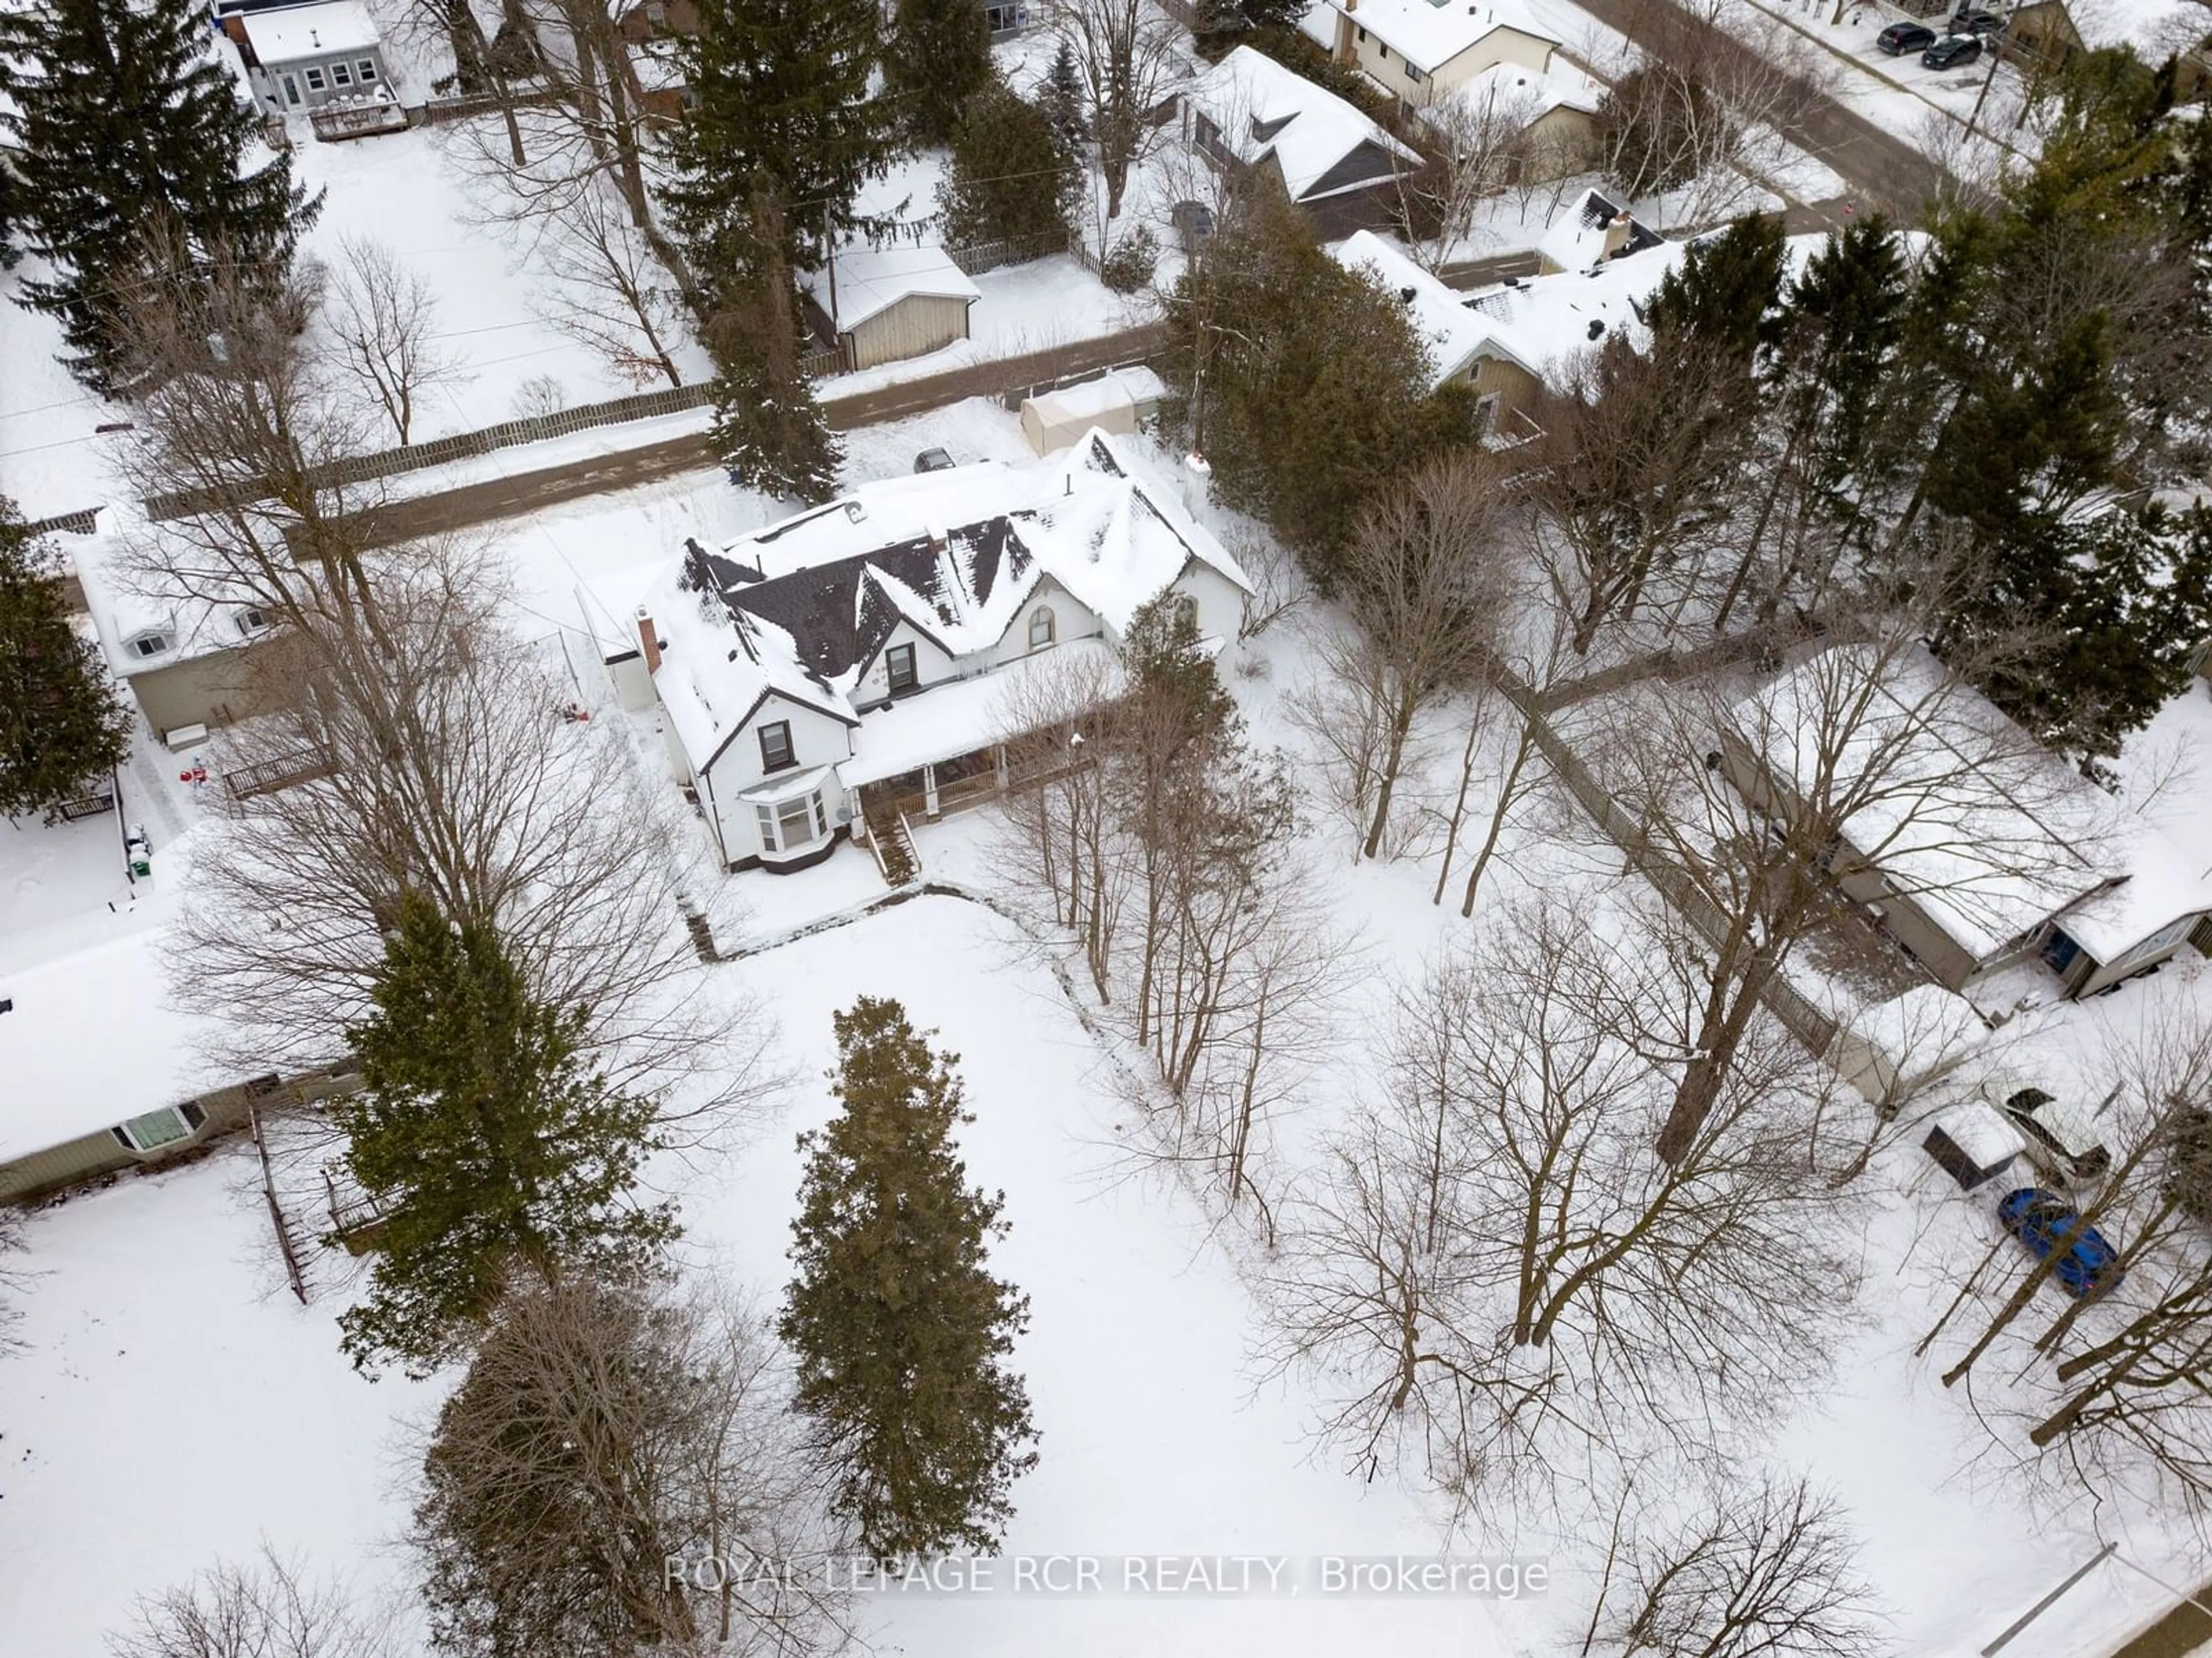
{"x":1901,"y":37}
{"x":2045,"y":1222}
{"x":933,"y":460}
{"x":2061,"y":1143}
{"x":1980,"y":24}
{"x":1953,"y":52}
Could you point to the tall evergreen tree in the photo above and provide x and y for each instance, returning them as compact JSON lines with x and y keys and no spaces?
{"x":939,"y":57}
{"x":901,"y":1331}
{"x":768,"y":430}
{"x":1060,"y":97}
{"x":489,"y":1145}
{"x":1726,"y":293}
{"x":122,"y":123}
{"x":62,"y":722}
{"x":781,"y":104}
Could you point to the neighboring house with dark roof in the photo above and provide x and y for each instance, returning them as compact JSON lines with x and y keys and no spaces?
{"x":2048,"y":34}
{"x":869,"y":645}
{"x":1251,"y":114}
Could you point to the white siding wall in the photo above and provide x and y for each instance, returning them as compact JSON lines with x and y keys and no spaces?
{"x":815,"y":740}
{"x":931,"y":664}
{"x":1070,"y":620}
{"x":1386,"y":67}
{"x":1220,"y":601}
{"x":918,"y":324}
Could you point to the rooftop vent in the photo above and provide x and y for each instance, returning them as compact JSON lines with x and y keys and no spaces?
{"x":1596,"y":327}
{"x":1406,"y":295}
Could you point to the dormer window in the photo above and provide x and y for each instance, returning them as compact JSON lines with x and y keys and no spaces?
{"x":152,"y":642}
{"x":252,"y":620}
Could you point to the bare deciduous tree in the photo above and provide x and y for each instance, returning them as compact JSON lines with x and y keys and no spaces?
{"x":1422,"y":581}
{"x":265,"y":1609}
{"x":607,"y":290}
{"x":1767,"y":1572}
{"x":1128,"y":54}
{"x":603,"y":1432}
{"x":384,"y":316}
{"x":1500,"y":1279}
{"x":1478,"y":145}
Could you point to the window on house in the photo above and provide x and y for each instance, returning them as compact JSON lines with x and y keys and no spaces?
{"x":341,"y":74}
{"x":1485,"y":415}
{"x":253,"y":619}
{"x":160,"y":1128}
{"x":148,"y":644}
{"x":899,"y":660}
{"x":790,"y":824}
{"x":776,"y":746}
{"x":1414,"y":75}
{"x":366,"y":70}
{"x":1186,"y":612}
{"x":1363,"y":37}
{"x":315,"y":82}
{"x":1040,"y":627}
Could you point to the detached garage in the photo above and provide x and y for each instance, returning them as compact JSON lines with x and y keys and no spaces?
{"x":887,"y":304}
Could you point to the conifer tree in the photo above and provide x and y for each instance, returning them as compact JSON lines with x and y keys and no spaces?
{"x":768,"y":430}
{"x":62,"y":722}
{"x":489,"y":1146}
{"x":122,"y":122}
{"x":1015,"y":177}
{"x":901,"y":1331}
{"x":939,"y":57}
{"x":1060,"y":97}
{"x":781,"y":104}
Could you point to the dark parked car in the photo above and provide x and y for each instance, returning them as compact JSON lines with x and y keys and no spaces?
{"x":933,"y":460}
{"x":1901,"y":37}
{"x":1979,"y":24}
{"x":2045,"y":1222}
{"x":1953,"y":52}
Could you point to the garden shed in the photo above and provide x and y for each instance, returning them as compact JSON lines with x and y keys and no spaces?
{"x":886,"y":304}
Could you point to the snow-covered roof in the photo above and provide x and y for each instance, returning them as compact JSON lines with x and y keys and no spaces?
{"x":1262,"y":108}
{"x":1430,"y":36}
{"x":1086,"y":400}
{"x":293,"y":33}
{"x":800,"y":608}
{"x":2155,"y":28}
{"x":1926,"y":1028}
{"x":1452,"y":333}
{"x":1988,"y":834}
{"x":1575,"y":239}
{"x":67,"y":1072}
{"x":951,"y":719}
{"x":121,"y":612}
{"x":1980,"y":1131}
{"x":1525,"y":94}
{"x":872,"y":280}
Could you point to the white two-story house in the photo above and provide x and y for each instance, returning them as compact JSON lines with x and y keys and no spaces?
{"x":869,"y":644}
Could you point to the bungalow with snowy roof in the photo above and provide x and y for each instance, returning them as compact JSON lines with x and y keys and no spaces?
{"x":81,"y":1103}
{"x":302,"y":57}
{"x":1541,"y":124}
{"x":1973,"y":848}
{"x":1510,"y":344}
{"x":187,"y":661}
{"x":1251,"y":116}
{"x":862,"y":656}
{"x":1418,"y":52}
{"x":886,"y":304}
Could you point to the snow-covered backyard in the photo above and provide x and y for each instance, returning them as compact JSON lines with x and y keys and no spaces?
{"x":174,"y":1404}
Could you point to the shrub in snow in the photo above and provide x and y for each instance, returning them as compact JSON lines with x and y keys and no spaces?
{"x":1130,"y":266}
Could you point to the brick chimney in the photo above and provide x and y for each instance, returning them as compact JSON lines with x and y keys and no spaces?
{"x":1616,"y":235}
{"x":648,"y":640}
